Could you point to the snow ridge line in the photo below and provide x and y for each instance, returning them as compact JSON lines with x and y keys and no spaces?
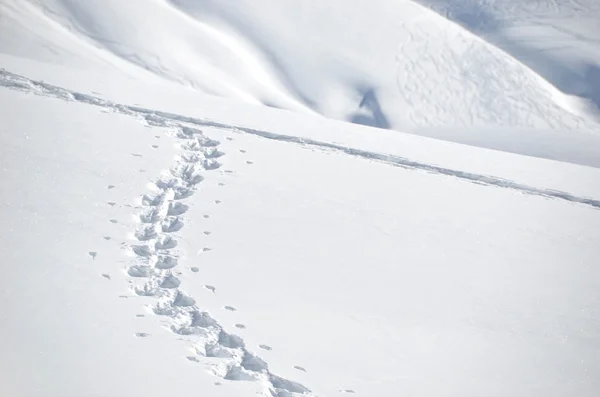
{"x":154,"y":252}
{"x":154,"y":259}
{"x":20,"y":83}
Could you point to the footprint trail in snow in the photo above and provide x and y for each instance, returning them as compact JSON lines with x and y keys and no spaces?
{"x":155,"y":258}
{"x":162,"y":218}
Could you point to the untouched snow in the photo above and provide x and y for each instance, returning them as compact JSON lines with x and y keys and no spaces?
{"x":159,"y":240}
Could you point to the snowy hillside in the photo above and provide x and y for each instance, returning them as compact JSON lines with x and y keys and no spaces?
{"x":166,"y":233}
{"x":392,"y":64}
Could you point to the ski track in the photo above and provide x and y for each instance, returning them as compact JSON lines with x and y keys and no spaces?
{"x":165,"y":119}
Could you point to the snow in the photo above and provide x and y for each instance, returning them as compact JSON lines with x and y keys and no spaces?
{"x":395,"y":65}
{"x":159,"y":239}
{"x":556,"y":39}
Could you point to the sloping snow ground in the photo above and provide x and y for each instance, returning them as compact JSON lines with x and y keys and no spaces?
{"x":161,"y":241}
{"x":390,"y":64}
{"x":558,"y":40}
{"x":342,"y":270}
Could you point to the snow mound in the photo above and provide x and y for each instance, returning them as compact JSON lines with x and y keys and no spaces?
{"x":386,"y":64}
{"x":557,"y":40}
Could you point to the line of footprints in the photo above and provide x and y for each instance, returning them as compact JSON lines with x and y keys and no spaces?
{"x":155,"y":260}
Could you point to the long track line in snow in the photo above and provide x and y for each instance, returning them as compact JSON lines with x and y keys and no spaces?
{"x":155,"y":257}
{"x":21,"y":83}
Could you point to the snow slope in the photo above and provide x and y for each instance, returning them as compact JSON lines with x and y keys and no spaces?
{"x":333,"y":280}
{"x":557,"y":39}
{"x":395,"y":65}
{"x":162,"y":241}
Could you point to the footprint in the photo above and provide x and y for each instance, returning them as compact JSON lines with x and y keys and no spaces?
{"x":193,"y":358}
{"x":137,"y":155}
{"x":218,"y":201}
{"x":229,"y":138}
{"x":299,"y":368}
{"x":93,"y":254}
{"x":111,"y":186}
{"x":205,"y":249}
{"x":106,"y":276}
{"x":165,"y":243}
{"x":194,"y":269}
{"x":218,"y":383}
{"x":111,"y":203}
{"x":207,"y":233}
{"x":229,"y":171}
{"x":142,"y":170}
{"x":140,"y":271}
{"x":142,"y":250}
{"x":140,"y":315}
{"x":147,"y":233}
{"x":230,"y":308}
{"x":221,"y":184}
{"x":206,"y":216}
{"x":155,"y":146}
{"x":240,"y":326}
{"x":210,"y":288}
{"x":106,"y":238}
{"x":113,"y":221}
{"x":170,"y":282}
{"x":157,"y":136}
{"x":177,"y":208}
{"x":166,"y":262}
{"x":249,"y":162}
{"x":182,"y":300}
{"x":347,"y":391}
{"x":265,"y":347}
{"x":171,"y":225}
{"x":242,"y":151}
{"x":142,"y":334}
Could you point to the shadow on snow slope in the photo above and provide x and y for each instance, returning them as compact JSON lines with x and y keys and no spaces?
{"x":581,"y":81}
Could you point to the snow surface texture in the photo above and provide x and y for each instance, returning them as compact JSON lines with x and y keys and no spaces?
{"x":556,"y":39}
{"x":159,"y":241}
{"x":388,"y":64}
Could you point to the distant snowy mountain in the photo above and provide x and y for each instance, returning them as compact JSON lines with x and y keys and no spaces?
{"x":186,"y":208}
